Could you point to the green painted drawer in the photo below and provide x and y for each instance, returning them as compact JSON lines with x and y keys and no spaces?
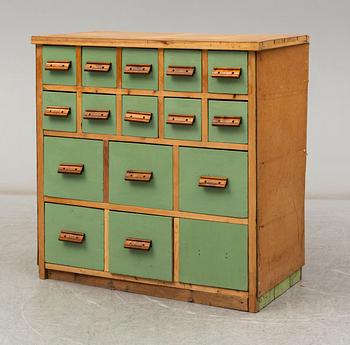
{"x":232,"y":59}
{"x":140,"y":56}
{"x":99,"y":102}
{"x":183,"y":106}
{"x":88,"y":185}
{"x":156,"y":263}
{"x":89,"y":253}
{"x":60,"y":123}
{"x":226,"y":134}
{"x":140,"y":104}
{"x":57,"y":53}
{"x":153,"y":158}
{"x":178,"y":57}
{"x":214,"y":254}
{"x":99,"y":79}
{"x":229,"y":201}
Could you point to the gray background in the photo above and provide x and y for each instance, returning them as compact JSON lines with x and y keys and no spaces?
{"x":328,"y":168}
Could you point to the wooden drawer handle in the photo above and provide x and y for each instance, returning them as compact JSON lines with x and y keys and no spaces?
{"x":185,"y":71}
{"x":213,"y":181}
{"x":226,"y":72}
{"x":96,"y":114}
{"x":71,"y":236}
{"x":53,"y":110}
{"x":74,"y":169}
{"x":137,"y":243}
{"x":226,"y":121}
{"x":181,"y":119}
{"x":137,"y":175}
{"x":58,"y":65}
{"x":138,"y":116}
{"x":97,"y":66}
{"x":137,"y":69}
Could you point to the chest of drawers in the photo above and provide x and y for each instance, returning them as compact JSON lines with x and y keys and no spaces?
{"x":173,"y":165}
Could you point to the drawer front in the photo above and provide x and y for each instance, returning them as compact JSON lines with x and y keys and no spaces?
{"x":85,"y":254}
{"x":181,"y":130}
{"x":228,"y":59}
{"x":132,"y":77}
{"x":157,"y":192}
{"x":213,"y":254}
{"x":156,"y":262}
{"x":140,"y":104}
{"x":224,"y":133}
{"x":54,"y":121}
{"x":85,"y":186}
{"x":97,"y":105}
{"x":228,"y":201}
{"x":97,"y":77}
{"x":183,"y":58}
{"x":59,"y":76}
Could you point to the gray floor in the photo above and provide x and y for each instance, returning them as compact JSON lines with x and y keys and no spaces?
{"x":316,"y":311}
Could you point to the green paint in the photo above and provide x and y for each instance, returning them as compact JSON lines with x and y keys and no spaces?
{"x":141,"y":103}
{"x":183,"y":106}
{"x":52,"y":53}
{"x":99,"y":102}
{"x":183,"y":57}
{"x":229,"y":201}
{"x":88,"y":185}
{"x":155,"y":263}
{"x":266,"y":299}
{"x":99,"y":79}
{"x":218,"y":58}
{"x":88,"y":254}
{"x":228,"y":134}
{"x":214,"y":254}
{"x":131,"y":156}
{"x":140,"y":56}
{"x":295,"y":278}
{"x":282,"y":287}
{"x":60,"y":123}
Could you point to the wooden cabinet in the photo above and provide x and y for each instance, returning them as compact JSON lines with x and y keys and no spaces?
{"x":173,"y":164}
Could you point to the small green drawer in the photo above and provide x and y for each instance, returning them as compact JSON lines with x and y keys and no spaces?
{"x":59,"y":77}
{"x":133,"y":56}
{"x":146,"y":104}
{"x":157,"y":193}
{"x":55,"y":122}
{"x":88,"y":253}
{"x":155,"y":263}
{"x":92,"y":103}
{"x":228,"y":134}
{"x":230,"y":59}
{"x":228,"y":201}
{"x":214,"y":254}
{"x":98,"y":78}
{"x":85,"y":186}
{"x":182,"y":106}
{"x":183,"y":58}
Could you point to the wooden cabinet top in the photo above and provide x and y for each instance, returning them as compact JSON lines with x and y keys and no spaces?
{"x":173,"y":40}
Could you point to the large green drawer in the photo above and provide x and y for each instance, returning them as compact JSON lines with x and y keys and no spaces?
{"x":89,"y":253}
{"x":99,"y":102}
{"x":157,"y":193}
{"x":230,"y":59}
{"x":228,"y":134}
{"x":183,"y":106}
{"x":179,"y":57}
{"x":61,"y":99}
{"x":228,"y":201}
{"x":133,"y":56}
{"x":98,"y":78}
{"x":59,"y":53}
{"x":86,"y":186}
{"x":214,"y":254}
{"x":155,"y":263}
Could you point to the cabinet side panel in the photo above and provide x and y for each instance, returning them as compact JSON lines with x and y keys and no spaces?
{"x":282,"y":81}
